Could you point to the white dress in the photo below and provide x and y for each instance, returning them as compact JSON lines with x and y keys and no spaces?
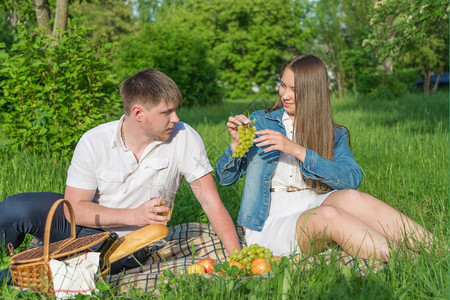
{"x":279,"y":231}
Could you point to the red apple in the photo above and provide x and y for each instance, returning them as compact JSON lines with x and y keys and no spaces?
{"x":208,"y":264}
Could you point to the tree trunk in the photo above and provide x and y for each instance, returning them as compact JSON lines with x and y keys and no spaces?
{"x":42,"y":11}
{"x":388,"y":65}
{"x":61,"y":15}
{"x":340,"y":85}
{"x":355,"y":91}
{"x":427,"y":80}
{"x":438,"y":77}
{"x":13,"y":21}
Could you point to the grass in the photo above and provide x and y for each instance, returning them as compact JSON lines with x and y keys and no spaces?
{"x":403,"y":148}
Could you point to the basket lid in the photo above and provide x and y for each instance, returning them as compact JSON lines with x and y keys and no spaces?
{"x":59,"y":249}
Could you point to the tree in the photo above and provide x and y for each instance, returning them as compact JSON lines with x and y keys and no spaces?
{"x":329,"y":38}
{"x":42,"y":10}
{"x":51,"y":15}
{"x":7,"y":29}
{"x":50,"y":94}
{"x":336,"y":30}
{"x":109,"y":20}
{"x":252,"y":40}
{"x":146,"y":10}
{"x":249,"y":40}
{"x":399,"y":28}
{"x":12,"y":12}
{"x":182,"y":54}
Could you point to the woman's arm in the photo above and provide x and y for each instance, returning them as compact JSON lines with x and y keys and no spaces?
{"x":340,"y":173}
{"x":228,"y":168}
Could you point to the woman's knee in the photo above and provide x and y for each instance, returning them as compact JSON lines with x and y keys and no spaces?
{"x":324,"y":214}
{"x":316,"y":226}
{"x":345,"y":197}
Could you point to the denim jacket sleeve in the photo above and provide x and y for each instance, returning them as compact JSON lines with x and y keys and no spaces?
{"x":340,"y":173}
{"x":229,"y":169}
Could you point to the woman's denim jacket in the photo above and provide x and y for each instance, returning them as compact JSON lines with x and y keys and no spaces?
{"x":341,"y":173}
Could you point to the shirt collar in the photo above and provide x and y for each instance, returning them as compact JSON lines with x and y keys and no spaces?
{"x":285,"y":118}
{"x":117,"y":141}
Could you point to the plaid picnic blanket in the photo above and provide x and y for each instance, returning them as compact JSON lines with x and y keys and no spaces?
{"x":191,"y":242}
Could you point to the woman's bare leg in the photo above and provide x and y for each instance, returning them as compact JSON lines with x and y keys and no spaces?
{"x":379,"y":216}
{"x":319,"y":227}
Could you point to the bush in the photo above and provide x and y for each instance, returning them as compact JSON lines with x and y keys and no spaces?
{"x":179,"y":52}
{"x":50,"y":94}
{"x":388,"y":86}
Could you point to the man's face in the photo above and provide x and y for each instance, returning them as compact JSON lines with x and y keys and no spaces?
{"x":158,"y":121}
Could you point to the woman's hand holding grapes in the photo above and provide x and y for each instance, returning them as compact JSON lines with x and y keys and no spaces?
{"x":243,"y":133}
{"x":275,"y":140}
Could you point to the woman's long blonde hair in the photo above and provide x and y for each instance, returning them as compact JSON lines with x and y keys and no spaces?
{"x":313,"y":123}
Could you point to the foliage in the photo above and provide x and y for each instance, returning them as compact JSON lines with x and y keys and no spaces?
{"x":380,"y":85}
{"x":6,"y":29}
{"x":51,"y":94}
{"x":329,"y":38}
{"x":399,"y":25}
{"x":250,"y":40}
{"x":182,"y":54}
{"x":110,"y":20}
{"x":336,"y":31}
{"x":146,"y":10}
{"x":23,"y":8}
{"x":418,"y":30}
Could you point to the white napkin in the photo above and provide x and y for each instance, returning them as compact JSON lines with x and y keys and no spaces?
{"x":75,"y":275}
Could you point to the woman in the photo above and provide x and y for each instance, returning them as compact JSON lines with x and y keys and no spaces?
{"x":301,"y":177}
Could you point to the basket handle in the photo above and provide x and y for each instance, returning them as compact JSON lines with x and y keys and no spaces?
{"x":48,"y":224}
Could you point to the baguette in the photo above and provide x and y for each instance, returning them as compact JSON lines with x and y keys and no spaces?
{"x":136,"y":240}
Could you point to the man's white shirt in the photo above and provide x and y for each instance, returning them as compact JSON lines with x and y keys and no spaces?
{"x":101,"y":162}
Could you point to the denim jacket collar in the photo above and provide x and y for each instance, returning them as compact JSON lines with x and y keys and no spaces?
{"x":276,"y":115}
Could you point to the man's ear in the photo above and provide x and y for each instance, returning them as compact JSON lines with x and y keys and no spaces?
{"x":136,"y":112}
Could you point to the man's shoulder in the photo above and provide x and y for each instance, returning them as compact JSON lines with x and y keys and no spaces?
{"x":183,"y":136}
{"x":102,"y":129}
{"x":183,"y":129}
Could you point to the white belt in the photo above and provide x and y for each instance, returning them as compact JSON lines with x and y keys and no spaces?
{"x":288,"y":189}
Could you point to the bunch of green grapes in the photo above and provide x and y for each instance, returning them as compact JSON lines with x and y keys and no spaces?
{"x":246,"y":136}
{"x":249,"y":253}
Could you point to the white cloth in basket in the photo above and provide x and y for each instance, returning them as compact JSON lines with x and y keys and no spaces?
{"x":75,"y":275}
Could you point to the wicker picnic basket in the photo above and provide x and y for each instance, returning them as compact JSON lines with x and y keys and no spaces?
{"x":31,"y":269}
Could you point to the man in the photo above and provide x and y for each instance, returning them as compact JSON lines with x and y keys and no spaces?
{"x":114,"y":167}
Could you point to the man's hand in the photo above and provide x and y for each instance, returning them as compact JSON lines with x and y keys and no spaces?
{"x":147,"y":213}
{"x":94,"y":215}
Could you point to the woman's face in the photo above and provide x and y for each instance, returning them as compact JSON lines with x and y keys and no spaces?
{"x":287,"y":92}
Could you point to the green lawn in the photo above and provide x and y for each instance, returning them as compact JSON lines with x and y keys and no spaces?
{"x":402,"y":146}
